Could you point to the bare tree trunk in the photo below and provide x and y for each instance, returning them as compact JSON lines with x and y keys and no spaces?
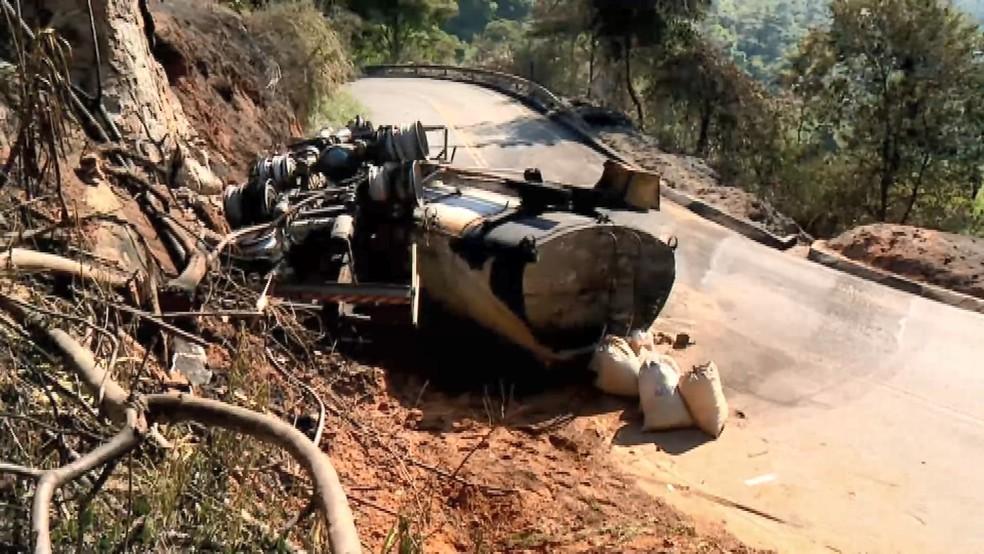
{"x":887,"y":177}
{"x":591,"y":64}
{"x":629,"y":86}
{"x":703,"y":137}
{"x":396,"y":43}
{"x":915,"y":188}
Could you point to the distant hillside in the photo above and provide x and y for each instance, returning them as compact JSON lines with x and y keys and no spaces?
{"x":760,"y":33}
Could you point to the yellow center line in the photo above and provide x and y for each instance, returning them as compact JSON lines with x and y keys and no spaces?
{"x":462,"y":136}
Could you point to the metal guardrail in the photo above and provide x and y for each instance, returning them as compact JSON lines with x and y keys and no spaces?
{"x":532,"y":92}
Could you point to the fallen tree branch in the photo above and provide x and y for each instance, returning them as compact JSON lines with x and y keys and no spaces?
{"x":147,"y":316}
{"x":329,"y":496}
{"x":7,"y":300}
{"x":328,"y":493}
{"x":110,"y":396}
{"x":133,"y":178}
{"x":111,"y":149}
{"x":30,"y":261}
{"x":127,"y":439}
{"x":196,"y":261}
{"x":306,"y":388}
{"x":21,"y":471}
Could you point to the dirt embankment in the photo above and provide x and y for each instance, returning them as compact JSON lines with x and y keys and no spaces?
{"x":948,"y":260}
{"x":226,"y":83}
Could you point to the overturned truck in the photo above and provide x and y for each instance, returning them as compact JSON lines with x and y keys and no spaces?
{"x":364,"y":216}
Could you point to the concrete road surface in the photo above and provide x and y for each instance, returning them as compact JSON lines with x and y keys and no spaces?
{"x":863,"y":406}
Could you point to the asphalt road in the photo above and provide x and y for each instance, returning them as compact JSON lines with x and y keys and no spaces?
{"x":864,"y":406}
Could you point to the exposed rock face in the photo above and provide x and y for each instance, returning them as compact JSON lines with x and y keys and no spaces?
{"x":137,"y":83}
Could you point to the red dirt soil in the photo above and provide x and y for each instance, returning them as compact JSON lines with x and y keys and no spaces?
{"x":225,"y":82}
{"x":529,"y":475}
{"x":948,"y":260}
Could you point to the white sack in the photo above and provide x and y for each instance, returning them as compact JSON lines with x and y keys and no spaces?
{"x":701,"y":391}
{"x":641,"y":340}
{"x":662,"y":405}
{"x":617,"y":367}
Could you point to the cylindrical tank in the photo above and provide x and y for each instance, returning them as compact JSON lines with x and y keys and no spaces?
{"x":552,"y":282}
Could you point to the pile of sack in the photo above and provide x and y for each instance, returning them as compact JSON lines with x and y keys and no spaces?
{"x":670,"y":399}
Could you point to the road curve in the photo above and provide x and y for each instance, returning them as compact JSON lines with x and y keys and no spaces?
{"x":863,"y":405}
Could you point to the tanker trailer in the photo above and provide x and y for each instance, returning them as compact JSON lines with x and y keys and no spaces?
{"x":368,"y":221}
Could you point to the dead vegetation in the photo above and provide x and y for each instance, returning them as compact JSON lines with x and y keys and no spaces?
{"x":77,"y":325}
{"x":310,"y":57}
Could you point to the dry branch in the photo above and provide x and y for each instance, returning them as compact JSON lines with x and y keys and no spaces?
{"x":127,"y":439}
{"x":328,"y":493}
{"x":196,"y":262}
{"x":163,"y":325}
{"x":32,"y":261}
{"x":111,"y":397}
{"x":22,"y":471}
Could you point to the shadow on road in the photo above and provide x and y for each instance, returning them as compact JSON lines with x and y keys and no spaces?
{"x":671,"y":442}
{"x":519,"y":131}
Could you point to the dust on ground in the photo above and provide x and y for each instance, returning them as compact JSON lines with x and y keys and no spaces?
{"x":948,"y":260}
{"x":445,"y":445}
{"x":487,"y":468}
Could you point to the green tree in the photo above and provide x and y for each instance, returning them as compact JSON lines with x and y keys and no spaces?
{"x":501,"y":46}
{"x":514,"y":10}
{"x":627,"y":25}
{"x":475,"y":15}
{"x":472,"y":18}
{"x":714,"y":95}
{"x":891,"y":91}
{"x":398,"y":23}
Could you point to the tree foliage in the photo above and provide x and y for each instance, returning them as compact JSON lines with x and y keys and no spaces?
{"x":475,"y":15}
{"x":392,"y":29}
{"x":840,"y":113}
{"x":705,"y":105}
{"x":626,"y":25}
{"x":891,"y":93}
{"x":761,"y":34}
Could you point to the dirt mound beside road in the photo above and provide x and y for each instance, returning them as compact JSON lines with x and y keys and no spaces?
{"x":948,"y":260}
